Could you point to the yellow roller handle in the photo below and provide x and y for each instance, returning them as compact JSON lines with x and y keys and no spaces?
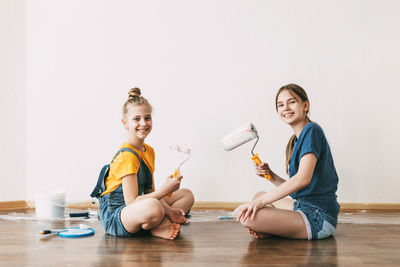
{"x":176,"y":174}
{"x":257,"y":160}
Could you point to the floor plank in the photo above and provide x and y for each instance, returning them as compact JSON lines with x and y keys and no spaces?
{"x":201,"y":243}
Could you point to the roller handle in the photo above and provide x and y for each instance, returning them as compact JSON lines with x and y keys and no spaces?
{"x":257,"y":160}
{"x":176,"y":174}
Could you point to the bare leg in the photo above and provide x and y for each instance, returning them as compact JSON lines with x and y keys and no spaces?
{"x":181,"y":199}
{"x":181,"y":202}
{"x":147,"y":213}
{"x":284,"y":203}
{"x":281,"y":222}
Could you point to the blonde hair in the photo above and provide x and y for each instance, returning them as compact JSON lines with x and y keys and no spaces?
{"x":134,"y":98}
{"x":298,"y":92}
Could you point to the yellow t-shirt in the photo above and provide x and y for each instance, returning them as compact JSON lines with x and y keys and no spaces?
{"x":127,"y":163}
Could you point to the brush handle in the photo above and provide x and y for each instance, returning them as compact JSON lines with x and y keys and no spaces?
{"x":176,"y":174}
{"x":79,"y":214}
{"x":257,"y":160}
{"x":46,"y":232}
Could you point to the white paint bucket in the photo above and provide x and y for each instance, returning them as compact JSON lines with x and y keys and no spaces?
{"x":50,"y":205}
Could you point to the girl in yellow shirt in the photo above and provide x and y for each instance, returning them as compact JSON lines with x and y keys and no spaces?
{"x":130,"y":202}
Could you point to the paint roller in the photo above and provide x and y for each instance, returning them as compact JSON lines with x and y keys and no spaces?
{"x":183,"y":150}
{"x":241,"y":136}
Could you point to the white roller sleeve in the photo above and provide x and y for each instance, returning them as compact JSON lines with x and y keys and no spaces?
{"x":239,"y":136}
{"x":180,"y":149}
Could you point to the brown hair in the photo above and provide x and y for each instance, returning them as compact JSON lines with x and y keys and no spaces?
{"x":298,"y":92}
{"x":135,"y":98}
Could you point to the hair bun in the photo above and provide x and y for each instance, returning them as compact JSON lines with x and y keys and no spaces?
{"x":134,"y":92}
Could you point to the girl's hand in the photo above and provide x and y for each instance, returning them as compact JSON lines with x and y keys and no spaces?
{"x":249,"y":210}
{"x":172,"y":184}
{"x":262,"y":169}
{"x":176,"y":215}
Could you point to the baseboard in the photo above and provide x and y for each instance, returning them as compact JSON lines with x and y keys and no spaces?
{"x":78,"y":205}
{"x":213,"y":205}
{"x":205,"y":205}
{"x":369,"y":207}
{"x":13,"y":205}
{"x":84,"y":205}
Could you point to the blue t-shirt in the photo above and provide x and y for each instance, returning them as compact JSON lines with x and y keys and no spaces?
{"x":323,"y":186}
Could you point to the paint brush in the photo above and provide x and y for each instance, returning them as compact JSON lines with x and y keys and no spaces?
{"x":56,"y":231}
{"x":53,"y":231}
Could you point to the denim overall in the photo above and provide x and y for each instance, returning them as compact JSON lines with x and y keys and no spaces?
{"x":112,"y":204}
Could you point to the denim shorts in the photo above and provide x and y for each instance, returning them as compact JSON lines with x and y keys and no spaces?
{"x":319,"y":223}
{"x":110,"y":213}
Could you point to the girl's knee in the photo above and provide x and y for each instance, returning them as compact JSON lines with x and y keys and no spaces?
{"x":247,"y":224}
{"x":154,"y":212}
{"x":188,"y":195}
{"x":262,"y":217}
{"x":154,"y":206}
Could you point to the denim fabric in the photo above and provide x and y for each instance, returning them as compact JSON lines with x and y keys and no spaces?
{"x":320,"y":223}
{"x":110,"y":213}
{"x":111,"y":204}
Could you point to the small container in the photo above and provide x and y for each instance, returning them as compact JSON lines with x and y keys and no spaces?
{"x":50,"y":205}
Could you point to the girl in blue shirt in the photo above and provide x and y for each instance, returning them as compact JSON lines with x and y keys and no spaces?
{"x":312,"y":210}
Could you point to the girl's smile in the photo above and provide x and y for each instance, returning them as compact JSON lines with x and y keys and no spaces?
{"x":138,"y":122}
{"x":288,"y":114}
{"x":291,"y":109}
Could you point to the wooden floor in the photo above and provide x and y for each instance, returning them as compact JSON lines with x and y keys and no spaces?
{"x":201,"y":243}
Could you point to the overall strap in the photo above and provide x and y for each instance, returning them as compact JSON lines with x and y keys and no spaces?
{"x":104,"y":172}
{"x":144,"y":176}
{"x":123,"y":150}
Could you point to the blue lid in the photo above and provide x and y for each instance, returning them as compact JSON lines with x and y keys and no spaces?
{"x":76,"y":232}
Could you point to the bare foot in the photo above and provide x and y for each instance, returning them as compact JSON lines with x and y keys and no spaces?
{"x":166,"y":230}
{"x":257,"y":234}
{"x":176,"y":216}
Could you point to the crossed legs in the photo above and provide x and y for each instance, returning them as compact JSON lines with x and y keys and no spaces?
{"x":181,"y":199}
{"x":149,"y":214}
{"x":277,"y":219}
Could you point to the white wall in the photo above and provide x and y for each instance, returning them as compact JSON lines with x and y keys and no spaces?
{"x":12,"y":100}
{"x":207,"y":67}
